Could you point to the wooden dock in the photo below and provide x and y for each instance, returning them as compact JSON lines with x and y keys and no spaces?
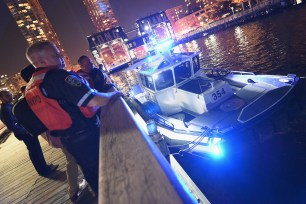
{"x":19,"y":182}
{"x":144,"y":174}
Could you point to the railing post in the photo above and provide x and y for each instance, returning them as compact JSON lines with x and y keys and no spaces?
{"x":131,"y":168}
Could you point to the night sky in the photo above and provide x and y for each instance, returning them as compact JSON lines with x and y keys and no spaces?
{"x":72,"y":24}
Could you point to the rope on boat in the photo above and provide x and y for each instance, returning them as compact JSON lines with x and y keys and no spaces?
{"x":199,"y":138}
{"x":164,"y":122}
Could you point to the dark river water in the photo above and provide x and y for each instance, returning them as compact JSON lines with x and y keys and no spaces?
{"x":274,"y":44}
{"x":276,"y":171}
{"x":273,"y":172}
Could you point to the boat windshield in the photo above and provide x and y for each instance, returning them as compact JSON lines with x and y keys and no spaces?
{"x":163,"y":80}
{"x":196,"y":63}
{"x":147,"y":81}
{"x":182,"y":72}
{"x":215,"y":73}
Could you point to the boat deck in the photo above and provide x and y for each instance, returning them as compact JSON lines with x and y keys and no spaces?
{"x":21,"y":184}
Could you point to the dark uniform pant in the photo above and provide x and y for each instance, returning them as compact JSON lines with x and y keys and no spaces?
{"x":35,"y":153}
{"x":84,"y":147}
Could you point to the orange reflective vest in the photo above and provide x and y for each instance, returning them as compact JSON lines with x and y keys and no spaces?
{"x":48,"y":110}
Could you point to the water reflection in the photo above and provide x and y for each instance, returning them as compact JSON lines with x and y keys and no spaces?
{"x":275,"y":45}
{"x":187,"y":47}
{"x":241,"y":38}
{"x":124,"y":80}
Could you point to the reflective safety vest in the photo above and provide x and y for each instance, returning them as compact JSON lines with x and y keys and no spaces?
{"x":48,"y":110}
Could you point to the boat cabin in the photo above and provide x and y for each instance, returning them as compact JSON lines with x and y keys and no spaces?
{"x":171,"y":81}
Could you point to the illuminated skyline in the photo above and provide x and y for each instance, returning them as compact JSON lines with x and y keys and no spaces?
{"x":33,"y":23}
{"x":101,"y":14}
{"x":72,"y":24}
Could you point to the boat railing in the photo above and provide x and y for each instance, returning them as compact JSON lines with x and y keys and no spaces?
{"x":131,"y":167}
{"x":162,"y":121}
{"x":242,"y":73}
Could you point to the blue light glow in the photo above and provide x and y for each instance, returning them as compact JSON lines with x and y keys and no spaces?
{"x":150,"y":59}
{"x":216,"y":150}
{"x":155,"y":76}
{"x":152,"y":128}
{"x":147,"y":28}
{"x":103,"y":7}
{"x":164,"y":46}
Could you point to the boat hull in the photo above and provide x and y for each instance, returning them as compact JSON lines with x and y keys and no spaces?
{"x":237,"y":135}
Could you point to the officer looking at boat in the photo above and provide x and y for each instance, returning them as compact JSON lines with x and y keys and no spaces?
{"x":75,"y":188}
{"x":67,"y":106}
{"x":96,"y":78}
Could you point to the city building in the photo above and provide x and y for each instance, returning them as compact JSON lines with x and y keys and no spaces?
{"x":195,"y":5}
{"x":12,"y":83}
{"x":158,"y":28}
{"x":137,"y":47}
{"x":33,"y":23}
{"x":186,"y":25}
{"x":175,"y":13}
{"x":101,"y":14}
{"x":15,"y":82}
{"x":181,"y":23}
{"x":109,"y":49}
{"x":3,"y":80}
{"x":108,"y":45}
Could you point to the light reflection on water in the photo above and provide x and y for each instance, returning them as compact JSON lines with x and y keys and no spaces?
{"x":275,"y":44}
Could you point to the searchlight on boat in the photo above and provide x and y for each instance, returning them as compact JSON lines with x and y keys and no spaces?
{"x":155,"y":76}
{"x":215,"y":147}
{"x":164,"y":46}
{"x":152,"y":127}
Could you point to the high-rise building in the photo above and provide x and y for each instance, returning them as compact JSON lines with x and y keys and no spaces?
{"x":193,"y":5}
{"x":196,"y":5}
{"x":14,"y":83}
{"x":33,"y":23}
{"x":101,"y":14}
{"x":157,"y":26}
{"x":175,"y":13}
{"x":181,"y":23}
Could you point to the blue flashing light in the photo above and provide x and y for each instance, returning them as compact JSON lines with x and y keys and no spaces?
{"x":155,"y":76}
{"x":216,"y":150}
{"x":150,"y":59}
{"x":164,"y":46}
{"x":147,"y":28}
{"x":152,"y":127}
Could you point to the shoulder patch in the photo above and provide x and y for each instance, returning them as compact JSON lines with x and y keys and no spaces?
{"x":73,"y":80}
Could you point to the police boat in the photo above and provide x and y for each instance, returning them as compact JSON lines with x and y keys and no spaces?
{"x":212,"y":112}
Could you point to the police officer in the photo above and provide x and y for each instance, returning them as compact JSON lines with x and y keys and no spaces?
{"x":32,"y":143}
{"x":97,"y":78}
{"x":66,"y":104}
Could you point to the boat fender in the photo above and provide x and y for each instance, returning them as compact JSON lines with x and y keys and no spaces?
{"x":158,"y":139}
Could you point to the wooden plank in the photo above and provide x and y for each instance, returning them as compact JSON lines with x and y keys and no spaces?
{"x":26,"y":177}
{"x":21,"y":184}
{"x":138,"y":174}
{"x":132,"y":169}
